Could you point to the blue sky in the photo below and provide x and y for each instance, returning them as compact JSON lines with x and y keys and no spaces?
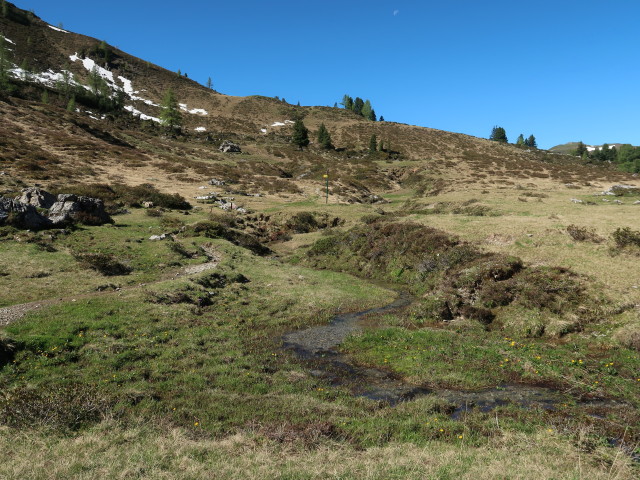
{"x":563,"y":70}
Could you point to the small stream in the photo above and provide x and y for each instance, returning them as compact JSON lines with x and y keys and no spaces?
{"x":317,"y":347}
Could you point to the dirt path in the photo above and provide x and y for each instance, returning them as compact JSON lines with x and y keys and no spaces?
{"x":13,"y":313}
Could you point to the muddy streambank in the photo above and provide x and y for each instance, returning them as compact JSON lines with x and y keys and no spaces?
{"x":316,"y":346}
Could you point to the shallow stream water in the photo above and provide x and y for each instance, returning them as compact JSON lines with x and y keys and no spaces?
{"x":317,"y":347}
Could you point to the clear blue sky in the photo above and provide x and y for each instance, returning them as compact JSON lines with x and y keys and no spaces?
{"x":563,"y":70}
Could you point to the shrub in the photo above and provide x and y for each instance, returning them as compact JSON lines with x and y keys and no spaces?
{"x":583,"y":234}
{"x":104,"y":263}
{"x":625,"y":237}
{"x":59,"y":407}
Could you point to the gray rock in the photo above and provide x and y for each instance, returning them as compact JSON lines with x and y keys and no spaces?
{"x":21,"y":215}
{"x":36,"y":197}
{"x":216,"y":182}
{"x":229,"y":147}
{"x":576,"y":200}
{"x":147,"y":204}
{"x":70,"y":208}
{"x":158,"y":237}
{"x":637,"y":202}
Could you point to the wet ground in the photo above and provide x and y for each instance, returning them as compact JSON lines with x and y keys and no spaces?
{"x":317,"y":347}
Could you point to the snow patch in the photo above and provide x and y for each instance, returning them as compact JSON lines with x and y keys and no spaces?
{"x":57,"y":29}
{"x":200,"y":129}
{"x":48,"y":78}
{"x":90,"y":65}
{"x":282,"y":124}
{"x":263,"y":130}
{"x":10,"y":41}
{"x":143,"y":116}
{"x":195,"y":111}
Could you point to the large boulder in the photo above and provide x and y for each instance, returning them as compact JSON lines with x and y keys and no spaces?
{"x":36,"y":197}
{"x":71,"y":208}
{"x":18,"y":214}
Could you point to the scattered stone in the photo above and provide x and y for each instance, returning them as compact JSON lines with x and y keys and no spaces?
{"x":637,"y":202}
{"x":216,"y":182}
{"x":158,"y":237}
{"x":148,"y":204}
{"x":622,"y":189}
{"x":617,"y":202}
{"x":576,"y":200}
{"x":230,"y":147}
{"x":36,"y":197}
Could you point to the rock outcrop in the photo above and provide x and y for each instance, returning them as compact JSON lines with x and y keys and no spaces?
{"x":229,"y":147}
{"x":20,"y":215}
{"x":65,"y":209}
{"x":36,"y":197}
{"x":71,"y":208}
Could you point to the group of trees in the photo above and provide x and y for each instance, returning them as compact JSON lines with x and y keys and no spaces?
{"x":527,"y":142}
{"x":360,"y":107}
{"x":626,"y":156}
{"x":498,"y":134}
{"x":300,"y":138}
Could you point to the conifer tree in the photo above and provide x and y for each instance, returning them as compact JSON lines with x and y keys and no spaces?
{"x":366,"y":110}
{"x":381,"y":146}
{"x":347,"y":102}
{"x":498,"y":134}
{"x":358,"y":105}
{"x":520,"y":140}
{"x":4,"y":66}
{"x":300,"y":135}
{"x":581,"y":149}
{"x":45,"y":96}
{"x":381,"y":118}
{"x":531,"y":142}
{"x":5,"y":8}
{"x":373,"y":143}
{"x":209,"y":84}
{"x":324,"y":138}
{"x":170,"y":115}
{"x":71,"y":106}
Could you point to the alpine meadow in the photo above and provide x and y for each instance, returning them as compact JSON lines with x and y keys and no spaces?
{"x":196,"y":285}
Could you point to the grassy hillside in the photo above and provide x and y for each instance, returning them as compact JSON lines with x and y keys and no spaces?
{"x":127,"y":357}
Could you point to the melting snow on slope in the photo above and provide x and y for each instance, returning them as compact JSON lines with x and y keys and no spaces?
{"x":10,"y":41}
{"x":282,"y":124}
{"x":128,"y":89}
{"x":57,"y":29}
{"x":143,"y":116}
{"x":89,"y":65}
{"x":48,"y":78}
{"x":194,"y":111}
{"x":201,"y":129}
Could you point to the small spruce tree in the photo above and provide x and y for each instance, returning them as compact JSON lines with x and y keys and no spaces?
{"x":209,"y":84}
{"x":45,"y":96}
{"x":300,"y":136}
{"x":381,"y":118}
{"x":324,"y":138}
{"x":381,"y":146}
{"x":520,"y":140}
{"x":170,"y":115}
{"x":373,"y":143}
{"x":71,"y":106}
{"x":5,"y":8}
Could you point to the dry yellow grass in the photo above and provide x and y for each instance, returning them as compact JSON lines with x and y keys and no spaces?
{"x":109,"y":452}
